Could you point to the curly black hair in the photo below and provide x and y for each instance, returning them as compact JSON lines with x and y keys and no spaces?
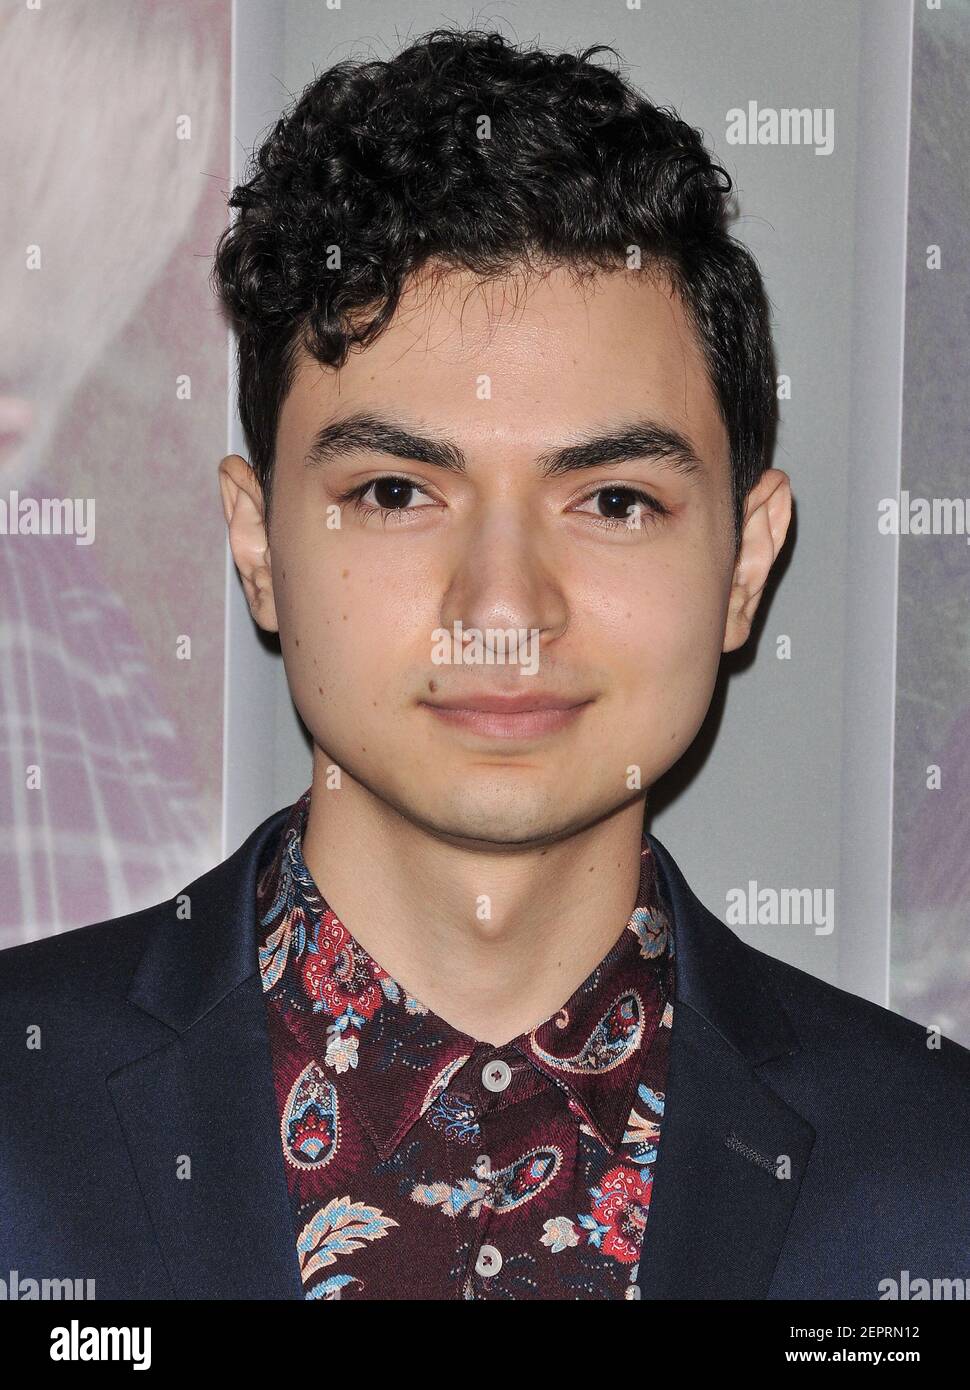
{"x":381,"y":166}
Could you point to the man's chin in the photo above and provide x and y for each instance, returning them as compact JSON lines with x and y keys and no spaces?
{"x":497,"y":821}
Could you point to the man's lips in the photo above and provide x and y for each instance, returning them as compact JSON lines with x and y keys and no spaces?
{"x":507,"y":704}
{"x":517,"y":716}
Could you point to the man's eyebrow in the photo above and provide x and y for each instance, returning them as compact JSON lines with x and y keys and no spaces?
{"x":366,"y":432}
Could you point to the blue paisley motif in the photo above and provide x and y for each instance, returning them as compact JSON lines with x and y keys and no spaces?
{"x":652,"y":930}
{"x":454,"y":1117}
{"x":310,"y":1127}
{"x":615,"y":1038}
{"x":520,"y":1181}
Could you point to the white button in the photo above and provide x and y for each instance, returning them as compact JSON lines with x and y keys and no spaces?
{"x":496,"y":1075}
{"x":483,"y":1166}
{"x":489,"y":1261}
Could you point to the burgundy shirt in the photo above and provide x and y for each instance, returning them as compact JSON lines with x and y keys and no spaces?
{"x":424,"y":1164}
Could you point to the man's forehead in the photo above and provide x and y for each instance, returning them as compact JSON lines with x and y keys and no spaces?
{"x":534,"y":297}
{"x":610,"y":345}
{"x":615,"y":325}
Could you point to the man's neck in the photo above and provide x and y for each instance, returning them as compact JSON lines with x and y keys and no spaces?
{"x":494,"y":940}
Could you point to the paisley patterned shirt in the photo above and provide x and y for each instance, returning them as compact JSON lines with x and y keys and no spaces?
{"x":422,"y":1163}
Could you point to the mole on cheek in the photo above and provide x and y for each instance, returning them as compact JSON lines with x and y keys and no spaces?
{"x":432,"y":686}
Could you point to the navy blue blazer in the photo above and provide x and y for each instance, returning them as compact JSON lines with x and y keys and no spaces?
{"x":154,"y":1046}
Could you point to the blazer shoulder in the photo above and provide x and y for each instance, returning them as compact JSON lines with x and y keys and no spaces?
{"x":90,"y":969}
{"x":855,"y":1038}
{"x":87,"y":963}
{"x":65,"y":998}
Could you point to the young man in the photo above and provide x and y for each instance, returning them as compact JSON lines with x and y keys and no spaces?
{"x":453,"y":1026}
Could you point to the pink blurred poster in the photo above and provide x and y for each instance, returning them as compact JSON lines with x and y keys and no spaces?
{"x":113,"y":384}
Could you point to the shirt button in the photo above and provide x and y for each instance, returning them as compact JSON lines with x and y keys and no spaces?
{"x":496,"y":1075}
{"x":489,"y":1261}
{"x":483,"y":1166}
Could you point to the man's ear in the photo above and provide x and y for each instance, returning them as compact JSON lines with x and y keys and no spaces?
{"x":242,"y":502}
{"x":767,"y":515}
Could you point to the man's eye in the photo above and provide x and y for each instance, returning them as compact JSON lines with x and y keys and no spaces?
{"x":391,"y":495}
{"x":631,"y":507}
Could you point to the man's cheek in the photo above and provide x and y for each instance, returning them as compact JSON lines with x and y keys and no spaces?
{"x":356,"y":668}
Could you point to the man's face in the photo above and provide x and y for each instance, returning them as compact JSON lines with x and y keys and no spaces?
{"x":627,"y":620}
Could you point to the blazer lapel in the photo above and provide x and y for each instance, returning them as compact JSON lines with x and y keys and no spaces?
{"x":719,"y":1210}
{"x":199,"y":1110}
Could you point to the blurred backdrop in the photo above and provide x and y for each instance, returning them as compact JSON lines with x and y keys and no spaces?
{"x":145,"y":725}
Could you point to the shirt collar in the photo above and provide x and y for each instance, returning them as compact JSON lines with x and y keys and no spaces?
{"x":395,"y":1055}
